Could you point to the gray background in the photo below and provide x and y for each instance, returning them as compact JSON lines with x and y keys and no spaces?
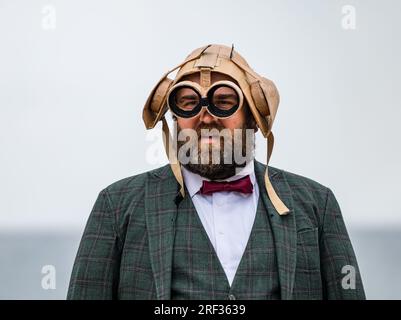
{"x":72,"y":92}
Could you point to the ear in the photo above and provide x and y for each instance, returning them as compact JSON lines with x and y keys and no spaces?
{"x":250,"y":119}
{"x":254,"y":126}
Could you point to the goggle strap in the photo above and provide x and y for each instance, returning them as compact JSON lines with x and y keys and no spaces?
{"x":205,"y":77}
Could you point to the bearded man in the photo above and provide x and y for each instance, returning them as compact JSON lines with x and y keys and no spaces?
{"x":215,"y":223}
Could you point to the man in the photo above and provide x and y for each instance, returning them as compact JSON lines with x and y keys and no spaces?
{"x":215,"y":223}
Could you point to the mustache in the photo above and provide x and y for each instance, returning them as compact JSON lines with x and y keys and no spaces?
{"x":207,"y":128}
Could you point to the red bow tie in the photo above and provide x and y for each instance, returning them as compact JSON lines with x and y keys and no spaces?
{"x":243,"y":185}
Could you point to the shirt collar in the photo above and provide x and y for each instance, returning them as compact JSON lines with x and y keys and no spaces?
{"x":194,"y":181}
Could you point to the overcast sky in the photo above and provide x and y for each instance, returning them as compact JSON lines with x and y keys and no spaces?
{"x":74,"y":76}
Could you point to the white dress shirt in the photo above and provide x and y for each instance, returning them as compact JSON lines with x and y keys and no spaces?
{"x":227,"y":216}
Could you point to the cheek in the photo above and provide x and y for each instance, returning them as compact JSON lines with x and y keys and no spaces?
{"x":187,"y":123}
{"x":234,"y":122}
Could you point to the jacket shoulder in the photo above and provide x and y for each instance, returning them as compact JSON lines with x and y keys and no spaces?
{"x":310,"y":197}
{"x":137,"y":181}
{"x":126,"y":196}
{"x":297,"y":181}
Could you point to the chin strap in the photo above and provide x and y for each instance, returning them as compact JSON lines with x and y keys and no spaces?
{"x":277,"y":203}
{"x":172,"y":156}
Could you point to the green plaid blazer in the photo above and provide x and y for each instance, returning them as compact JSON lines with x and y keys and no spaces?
{"x":127,"y":246}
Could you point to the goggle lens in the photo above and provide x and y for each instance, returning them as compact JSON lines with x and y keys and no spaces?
{"x":186,"y":99}
{"x":224,"y":98}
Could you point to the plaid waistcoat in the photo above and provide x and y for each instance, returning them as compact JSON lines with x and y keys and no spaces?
{"x":198,"y":274}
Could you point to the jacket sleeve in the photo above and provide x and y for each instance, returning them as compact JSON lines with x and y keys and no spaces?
{"x":340,"y":272}
{"x":96,"y":268}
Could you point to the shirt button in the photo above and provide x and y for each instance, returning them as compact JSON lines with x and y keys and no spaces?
{"x":231,"y":297}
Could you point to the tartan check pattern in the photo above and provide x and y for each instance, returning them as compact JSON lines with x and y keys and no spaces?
{"x":126,"y":251}
{"x":198,"y":274}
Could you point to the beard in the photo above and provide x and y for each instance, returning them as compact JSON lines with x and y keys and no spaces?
{"x":228,"y":153}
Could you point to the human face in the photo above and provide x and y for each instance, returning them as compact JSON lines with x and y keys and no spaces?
{"x":227,"y":146}
{"x":236,"y":121}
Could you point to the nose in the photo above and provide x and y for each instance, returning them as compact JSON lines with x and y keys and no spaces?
{"x":206,"y":117}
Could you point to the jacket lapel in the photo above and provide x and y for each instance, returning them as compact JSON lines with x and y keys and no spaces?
{"x":284,"y":227}
{"x":160,"y":211}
